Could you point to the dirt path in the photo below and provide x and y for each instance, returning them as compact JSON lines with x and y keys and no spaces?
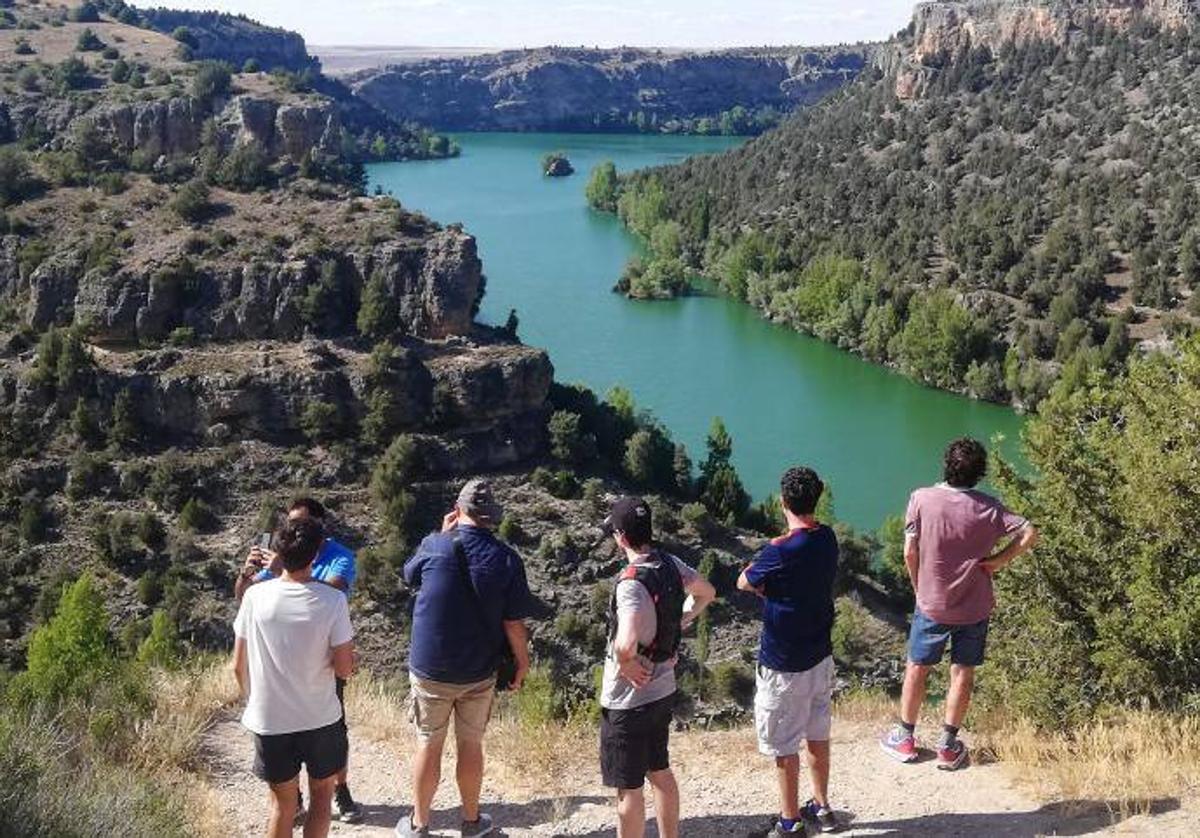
{"x":727,"y":791}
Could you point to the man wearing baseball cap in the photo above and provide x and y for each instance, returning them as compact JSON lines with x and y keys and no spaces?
{"x":648,"y":612}
{"x":472,"y":599}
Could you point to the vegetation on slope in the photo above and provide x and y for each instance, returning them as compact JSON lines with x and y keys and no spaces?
{"x":1025,"y":221}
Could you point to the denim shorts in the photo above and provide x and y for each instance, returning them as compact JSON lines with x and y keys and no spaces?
{"x":927,"y":641}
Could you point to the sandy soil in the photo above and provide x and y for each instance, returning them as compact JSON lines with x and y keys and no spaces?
{"x":727,"y":791}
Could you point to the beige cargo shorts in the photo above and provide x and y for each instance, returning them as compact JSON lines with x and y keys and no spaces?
{"x":432,"y":703}
{"x":792,"y":707}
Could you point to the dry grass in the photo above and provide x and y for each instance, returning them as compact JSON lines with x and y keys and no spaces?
{"x":1130,"y":761}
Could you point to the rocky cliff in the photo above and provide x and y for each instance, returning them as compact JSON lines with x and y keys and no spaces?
{"x":587,"y":90}
{"x":947,"y":27}
{"x":232,"y":38}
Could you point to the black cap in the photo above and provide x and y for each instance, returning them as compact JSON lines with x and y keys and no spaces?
{"x":631,"y":516}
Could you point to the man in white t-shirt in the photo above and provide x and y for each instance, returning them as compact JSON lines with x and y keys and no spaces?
{"x":293,"y":639}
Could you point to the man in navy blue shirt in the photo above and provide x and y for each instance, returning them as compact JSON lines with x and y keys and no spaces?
{"x":472,"y":600}
{"x":793,"y":575}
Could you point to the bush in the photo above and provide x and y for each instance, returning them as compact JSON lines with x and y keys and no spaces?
{"x":509,"y":530}
{"x":88,"y":42}
{"x":197,"y":516}
{"x":378,"y":313}
{"x":245,"y":168}
{"x":849,"y":627}
{"x":125,"y":426}
{"x":321,"y":421}
{"x":33,"y":520}
{"x":211,"y":81}
{"x":562,"y":484}
{"x":399,"y":467}
{"x":73,"y":651}
{"x":1108,"y":598}
{"x":602,"y":187}
{"x":120,"y":71}
{"x":85,"y":13}
{"x":23,"y":47}
{"x":70,"y":74}
{"x":161,"y":648}
{"x":88,"y":475}
{"x":17,"y":181}
{"x":733,"y":681}
{"x":251,"y":65}
{"x":83,"y":425}
{"x":568,"y":442}
{"x":537,"y":703}
{"x":191,"y":202}
{"x":173,"y":481}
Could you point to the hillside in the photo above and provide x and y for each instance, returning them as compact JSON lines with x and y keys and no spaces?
{"x":1007,"y":199}
{"x":627,"y":89}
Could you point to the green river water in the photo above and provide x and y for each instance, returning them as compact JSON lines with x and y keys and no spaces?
{"x":786,"y":398}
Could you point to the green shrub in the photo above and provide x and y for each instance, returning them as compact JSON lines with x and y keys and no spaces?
{"x":89,"y":42}
{"x":120,"y":71}
{"x":733,"y":681}
{"x":191,"y":202}
{"x":245,"y":168}
{"x":161,"y":648}
{"x":321,"y":421}
{"x":89,"y":474}
{"x":23,"y":47}
{"x":509,"y":530}
{"x":378,"y":313}
{"x":68,"y":655}
{"x":33,"y":520}
{"x":537,"y":703}
{"x":125,"y":425}
{"x":182,"y":336}
{"x":572,"y":625}
{"x":85,"y":13}
{"x":211,"y":80}
{"x":83,"y":425}
{"x":173,"y":481}
{"x":150,"y":588}
{"x":568,"y":441}
{"x":849,"y":627}
{"x":197,"y":516}
{"x":1108,"y":599}
{"x":391,"y":481}
{"x":561,"y":483}
{"x":251,"y":65}
{"x":17,"y":180}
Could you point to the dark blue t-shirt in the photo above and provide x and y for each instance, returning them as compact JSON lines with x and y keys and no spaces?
{"x":457,"y":630}
{"x":796,"y":574}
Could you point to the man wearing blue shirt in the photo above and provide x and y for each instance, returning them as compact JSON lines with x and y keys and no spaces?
{"x":471,"y":603}
{"x":793,"y":575}
{"x":335,"y":567}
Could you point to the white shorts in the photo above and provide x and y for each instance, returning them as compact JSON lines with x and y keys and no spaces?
{"x":791,"y":707}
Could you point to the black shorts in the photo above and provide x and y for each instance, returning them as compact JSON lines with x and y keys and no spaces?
{"x":634,"y":743}
{"x":322,"y":752}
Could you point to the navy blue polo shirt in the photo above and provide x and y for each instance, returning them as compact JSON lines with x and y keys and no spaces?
{"x":457,"y":629}
{"x":796,"y":574}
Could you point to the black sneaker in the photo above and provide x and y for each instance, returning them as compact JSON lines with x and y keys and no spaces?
{"x":823,"y":817}
{"x":346,"y":810}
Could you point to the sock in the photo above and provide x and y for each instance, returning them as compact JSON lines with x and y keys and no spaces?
{"x":949,"y":733}
{"x":909,"y":728}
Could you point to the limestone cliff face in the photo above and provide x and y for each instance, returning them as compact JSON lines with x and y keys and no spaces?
{"x":433,"y":284}
{"x":582,"y":89}
{"x":950,"y":26}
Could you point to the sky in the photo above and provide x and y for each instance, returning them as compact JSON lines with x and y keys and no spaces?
{"x":528,"y":23}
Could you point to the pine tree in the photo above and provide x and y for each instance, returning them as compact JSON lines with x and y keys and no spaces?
{"x":378,"y":317}
{"x":125,"y":429}
{"x":69,"y":653}
{"x":161,"y":647}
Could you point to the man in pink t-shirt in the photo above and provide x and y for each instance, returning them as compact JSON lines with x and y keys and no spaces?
{"x":950,"y":533}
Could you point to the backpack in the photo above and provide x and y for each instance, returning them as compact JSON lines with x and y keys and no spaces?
{"x":665,"y":585}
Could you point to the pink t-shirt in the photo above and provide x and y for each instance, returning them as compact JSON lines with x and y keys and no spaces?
{"x":956,"y":529}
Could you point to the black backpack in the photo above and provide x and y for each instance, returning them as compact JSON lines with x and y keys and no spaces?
{"x":665,"y":586}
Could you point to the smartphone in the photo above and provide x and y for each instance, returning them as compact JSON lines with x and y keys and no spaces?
{"x":264,"y":541}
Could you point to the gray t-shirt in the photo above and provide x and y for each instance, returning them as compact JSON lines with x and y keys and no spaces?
{"x":633,"y":601}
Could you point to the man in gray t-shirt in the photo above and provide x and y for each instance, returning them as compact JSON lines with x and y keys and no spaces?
{"x":638,"y":690}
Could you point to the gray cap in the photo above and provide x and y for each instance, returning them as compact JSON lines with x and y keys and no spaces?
{"x":476,"y":499}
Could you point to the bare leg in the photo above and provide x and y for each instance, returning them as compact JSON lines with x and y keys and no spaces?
{"x":666,"y":802}
{"x":787,"y":773}
{"x":284,"y":797}
{"x":958,"y":699}
{"x":320,"y":794}
{"x":469,"y":774}
{"x":427,"y":773}
{"x":631,"y":813}
{"x":913,"y":695}
{"x":818,"y":769}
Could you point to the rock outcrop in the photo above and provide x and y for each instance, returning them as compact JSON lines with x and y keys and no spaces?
{"x":233,"y":38}
{"x":584,"y":89}
{"x":433,"y":284}
{"x":948,"y":27}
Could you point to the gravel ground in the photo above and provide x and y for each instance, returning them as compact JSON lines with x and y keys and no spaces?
{"x":727,"y":791}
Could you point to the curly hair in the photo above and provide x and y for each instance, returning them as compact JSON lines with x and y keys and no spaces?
{"x":800,"y":489}
{"x":965,"y":463}
{"x":310,"y":505}
{"x":298,"y":542}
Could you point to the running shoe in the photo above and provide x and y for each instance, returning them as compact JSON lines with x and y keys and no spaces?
{"x":899,"y":744}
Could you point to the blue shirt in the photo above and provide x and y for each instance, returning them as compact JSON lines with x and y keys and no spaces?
{"x":333,"y":559}
{"x":796,"y":574}
{"x":457,"y":628}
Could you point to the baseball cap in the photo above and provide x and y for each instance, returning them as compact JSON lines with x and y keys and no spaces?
{"x":631,"y":516}
{"x":476,"y":499}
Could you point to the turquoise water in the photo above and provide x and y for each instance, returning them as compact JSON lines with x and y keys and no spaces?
{"x":786,"y":398}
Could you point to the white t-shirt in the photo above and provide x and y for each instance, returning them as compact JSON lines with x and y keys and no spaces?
{"x":290,"y":629}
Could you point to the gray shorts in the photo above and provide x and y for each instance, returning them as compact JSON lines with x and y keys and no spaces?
{"x":791,"y":707}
